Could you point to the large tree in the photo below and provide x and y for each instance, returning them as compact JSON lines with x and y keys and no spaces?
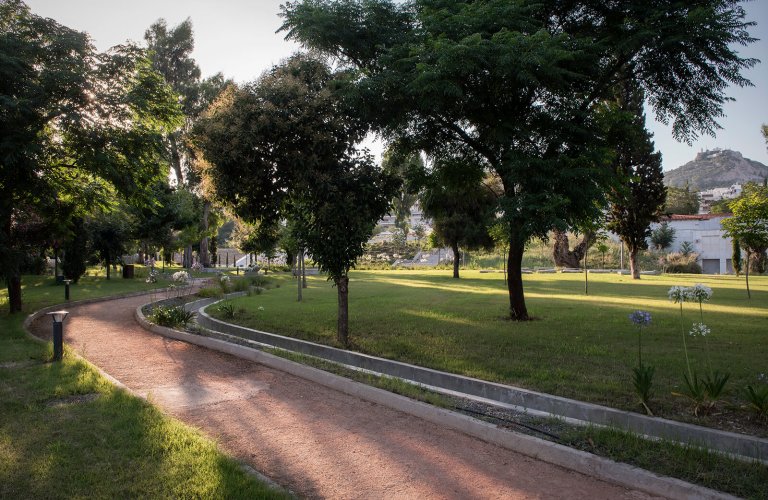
{"x":639,"y":199}
{"x":519,"y":85}
{"x":70,"y":119}
{"x":171,"y":54}
{"x":283,"y":147}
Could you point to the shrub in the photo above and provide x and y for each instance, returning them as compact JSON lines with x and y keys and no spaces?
{"x":171,"y":316}
{"x":209,"y":292}
{"x":676,"y":262}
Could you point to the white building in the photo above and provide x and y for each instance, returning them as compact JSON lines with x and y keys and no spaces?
{"x":710,"y":196}
{"x":705,"y":233}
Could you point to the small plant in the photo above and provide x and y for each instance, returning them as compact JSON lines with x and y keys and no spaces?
{"x":197,"y":267}
{"x":686,"y":248}
{"x":757,"y":400}
{"x":706,"y":390}
{"x":227,"y":310}
{"x":171,"y":316}
{"x":152,"y":276}
{"x":643,"y":375}
{"x":224,"y":282}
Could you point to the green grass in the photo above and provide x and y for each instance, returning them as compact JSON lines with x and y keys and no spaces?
{"x":578,"y":346}
{"x":111,"y":445}
{"x":695,"y":465}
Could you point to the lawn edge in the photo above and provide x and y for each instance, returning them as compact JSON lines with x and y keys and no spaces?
{"x":576,"y":460}
{"x":33,"y":316}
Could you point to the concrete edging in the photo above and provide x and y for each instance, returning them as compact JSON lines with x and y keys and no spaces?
{"x":739,"y":445}
{"x":563,"y":456}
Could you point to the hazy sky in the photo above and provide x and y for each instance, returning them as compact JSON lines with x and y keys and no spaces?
{"x":237,"y":37}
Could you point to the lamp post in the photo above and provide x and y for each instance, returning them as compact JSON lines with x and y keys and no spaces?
{"x":66,"y":289}
{"x":58,"y":333}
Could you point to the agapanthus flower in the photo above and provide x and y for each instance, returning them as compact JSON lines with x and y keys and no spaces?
{"x":699,"y":330}
{"x":700,"y":293}
{"x":640,"y":318}
{"x":181,"y":277}
{"x":678,"y":294}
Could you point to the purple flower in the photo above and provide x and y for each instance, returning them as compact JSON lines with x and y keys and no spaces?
{"x":640,"y":318}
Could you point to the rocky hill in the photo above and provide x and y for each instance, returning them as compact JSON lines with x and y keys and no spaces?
{"x":716,"y":168}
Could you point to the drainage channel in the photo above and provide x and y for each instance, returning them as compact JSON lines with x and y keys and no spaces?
{"x":514,"y":398}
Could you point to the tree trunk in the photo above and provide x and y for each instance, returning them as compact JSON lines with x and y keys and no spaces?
{"x":563,"y":255}
{"x":746,"y":275}
{"x":176,"y":160}
{"x":186,"y":259}
{"x":205,"y":255}
{"x":634,"y":270}
{"x":456,"y":259}
{"x":517,"y":309}
{"x":342,"y":284}
{"x":297,"y":272}
{"x":14,"y":293}
{"x":303,"y":270}
{"x":107,"y":260}
{"x":586,"y":276}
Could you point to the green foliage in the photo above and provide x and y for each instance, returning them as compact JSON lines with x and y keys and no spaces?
{"x":75,"y":250}
{"x":283,"y":148}
{"x":686,"y":248}
{"x":676,"y":263}
{"x":681,"y":201}
{"x":171,"y":316}
{"x":227,"y":310}
{"x":462,"y":207}
{"x":637,"y":200}
{"x":663,"y":236}
{"x":736,"y":256}
{"x":757,"y":400}
{"x":516,"y":87}
{"x":642,"y":380}
{"x":77,"y":126}
{"x":749,"y":223}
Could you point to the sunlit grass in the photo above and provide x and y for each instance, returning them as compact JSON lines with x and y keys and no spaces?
{"x":579,"y":346}
{"x":111,"y":446}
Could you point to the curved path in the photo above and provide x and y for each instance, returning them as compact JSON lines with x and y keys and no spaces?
{"x":312,"y":440}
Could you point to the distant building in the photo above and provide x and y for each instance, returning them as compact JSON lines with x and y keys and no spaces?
{"x":705,"y":233}
{"x":710,"y":196}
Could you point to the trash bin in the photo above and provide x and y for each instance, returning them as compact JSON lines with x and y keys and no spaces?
{"x":128,"y":271}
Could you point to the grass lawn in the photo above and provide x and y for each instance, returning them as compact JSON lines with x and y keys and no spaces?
{"x":66,"y":432}
{"x":579,"y":346}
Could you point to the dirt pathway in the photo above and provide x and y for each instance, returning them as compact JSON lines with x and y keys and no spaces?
{"x":315,"y":441}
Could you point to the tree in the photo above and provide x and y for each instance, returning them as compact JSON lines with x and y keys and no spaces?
{"x":283,"y":148}
{"x":749,"y":225}
{"x":518,"y":84}
{"x":109,"y":233}
{"x":75,"y":249}
{"x":75,"y":124}
{"x":663,"y":236}
{"x":563,"y":255}
{"x":170,"y":51}
{"x":681,"y":201}
{"x":401,"y":166}
{"x":637,"y":201}
{"x":461,"y":207}
{"x":736,"y":256}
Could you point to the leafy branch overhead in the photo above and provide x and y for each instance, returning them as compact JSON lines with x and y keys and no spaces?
{"x":519,"y":85}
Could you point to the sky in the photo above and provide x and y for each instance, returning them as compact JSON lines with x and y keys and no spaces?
{"x":239,"y":39}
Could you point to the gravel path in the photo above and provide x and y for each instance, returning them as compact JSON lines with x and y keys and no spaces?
{"x":312,"y":440}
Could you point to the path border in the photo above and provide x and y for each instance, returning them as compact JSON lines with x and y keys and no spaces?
{"x":579,"y":461}
{"x":740,"y":446}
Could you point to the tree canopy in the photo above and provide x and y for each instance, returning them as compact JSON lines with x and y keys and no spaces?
{"x":284,"y":147}
{"x":518,"y":84}
{"x":76,"y":125}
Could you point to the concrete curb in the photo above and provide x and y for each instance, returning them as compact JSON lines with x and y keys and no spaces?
{"x":738,"y":445}
{"x":563,"y":456}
